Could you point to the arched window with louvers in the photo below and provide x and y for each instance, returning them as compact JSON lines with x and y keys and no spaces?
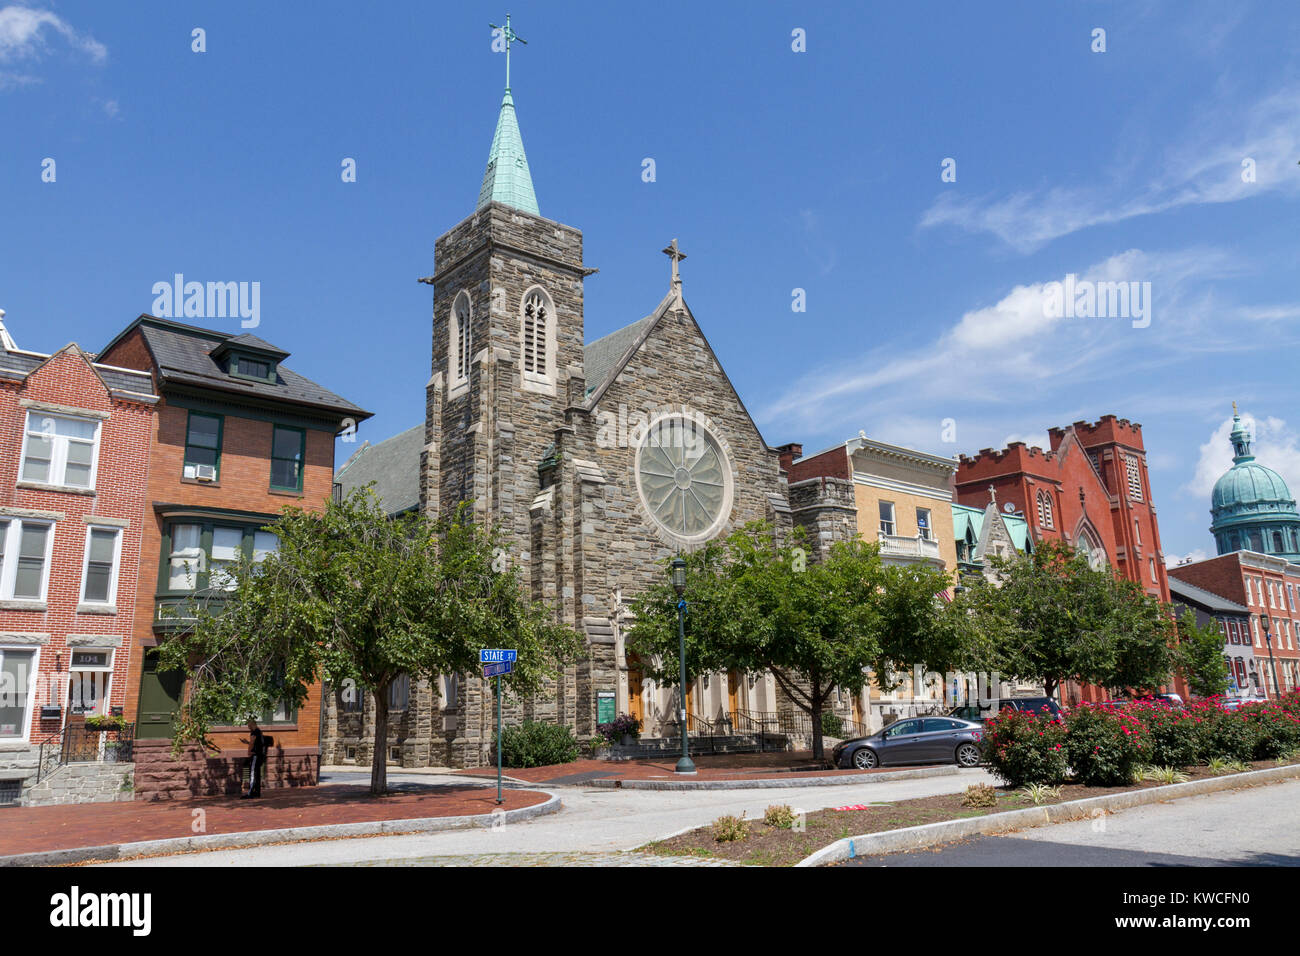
{"x":460,"y":343}
{"x":537,"y":339}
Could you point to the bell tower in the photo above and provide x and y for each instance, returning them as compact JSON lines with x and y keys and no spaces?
{"x":507,"y":367}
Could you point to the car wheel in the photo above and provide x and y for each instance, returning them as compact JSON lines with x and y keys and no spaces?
{"x":865,"y":759}
{"x":968,"y":755}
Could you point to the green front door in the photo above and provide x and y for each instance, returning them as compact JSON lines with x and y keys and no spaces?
{"x":160,"y":698}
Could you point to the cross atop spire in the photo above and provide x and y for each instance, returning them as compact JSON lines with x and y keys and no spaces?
{"x":510,"y":36}
{"x":507,"y":179}
{"x":677,"y":256}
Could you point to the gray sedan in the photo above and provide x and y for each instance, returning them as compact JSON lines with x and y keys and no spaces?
{"x":914,"y":740}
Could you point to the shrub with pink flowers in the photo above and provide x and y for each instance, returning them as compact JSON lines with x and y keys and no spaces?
{"x":1021,"y":748}
{"x":1230,"y":734}
{"x":1276,"y":729}
{"x":1174,"y":732}
{"x":1105,"y":745}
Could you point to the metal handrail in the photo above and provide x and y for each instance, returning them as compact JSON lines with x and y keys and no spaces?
{"x":49,"y":755}
{"x":76,"y":744}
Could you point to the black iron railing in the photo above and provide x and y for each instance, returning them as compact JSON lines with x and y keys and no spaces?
{"x":77,"y":743}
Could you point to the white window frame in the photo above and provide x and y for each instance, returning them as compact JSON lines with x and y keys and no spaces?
{"x":1250,"y":597}
{"x":26,"y":734}
{"x":925,"y":533}
{"x":9,"y":573}
{"x":59,"y":451}
{"x":893,"y":518}
{"x":460,"y":344}
{"x":534,"y":380}
{"x":105,"y":669}
{"x":117,"y":566}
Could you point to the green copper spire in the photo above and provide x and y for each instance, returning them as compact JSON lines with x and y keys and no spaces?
{"x":506,"y":179}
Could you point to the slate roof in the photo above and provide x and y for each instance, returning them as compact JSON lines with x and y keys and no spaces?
{"x":603,"y":357}
{"x":1207,"y":599}
{"x":124,"y":380}
{"x":393,"y":465}
{"x":182,"y":353}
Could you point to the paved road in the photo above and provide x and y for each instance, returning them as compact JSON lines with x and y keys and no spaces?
{"x":592,"y":821}
{"x":1259,"y":826}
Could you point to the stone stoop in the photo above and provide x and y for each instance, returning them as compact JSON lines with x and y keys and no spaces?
{"x":83,"y":783}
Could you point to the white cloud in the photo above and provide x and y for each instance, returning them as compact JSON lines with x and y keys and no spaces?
{"x":23,"y":32}
{"x":1205,"y":166}
{"x":1033,"y":441}
{"x":1275,"y":445}
{"x":1196,"y":554}
{"x":996,"y":353}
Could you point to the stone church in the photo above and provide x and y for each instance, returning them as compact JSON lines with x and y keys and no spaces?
{"x":598,"y":460}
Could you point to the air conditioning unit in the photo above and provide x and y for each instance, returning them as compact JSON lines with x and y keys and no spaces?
{"x":205,"y":472}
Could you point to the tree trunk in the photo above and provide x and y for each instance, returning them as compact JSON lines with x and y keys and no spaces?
{"x":819,"y":749}
{"x":379,"y":754}
{"x":1050,"y":687}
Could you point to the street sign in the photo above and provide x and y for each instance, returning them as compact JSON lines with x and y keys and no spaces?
{"x":496,"y":670}
{"x":496,"y":655}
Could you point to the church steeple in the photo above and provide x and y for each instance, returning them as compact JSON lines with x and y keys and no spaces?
{"x":506,"y":179}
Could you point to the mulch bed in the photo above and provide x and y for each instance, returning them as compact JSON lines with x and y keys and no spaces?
{"x":770,"y":846}
{"x":36,"y":829}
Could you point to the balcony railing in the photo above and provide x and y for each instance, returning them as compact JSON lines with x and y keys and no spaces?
{"x":912,"y":548}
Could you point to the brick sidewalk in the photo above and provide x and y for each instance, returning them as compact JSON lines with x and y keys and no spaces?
{"x":34,"y":829}
{"x":780,"y":766}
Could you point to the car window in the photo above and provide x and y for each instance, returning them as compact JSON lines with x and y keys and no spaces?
{"x":904,"y":727}
{"x":934,"y":724}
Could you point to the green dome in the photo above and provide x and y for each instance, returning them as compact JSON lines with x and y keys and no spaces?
{"x":1252,"y":508}
{"x":1250,"y":487}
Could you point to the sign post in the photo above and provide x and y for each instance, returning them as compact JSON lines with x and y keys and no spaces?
{"x":496,"y":663}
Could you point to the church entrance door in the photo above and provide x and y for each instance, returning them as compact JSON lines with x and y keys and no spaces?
{"x":635,"y":702}
{"x":733,"y":695}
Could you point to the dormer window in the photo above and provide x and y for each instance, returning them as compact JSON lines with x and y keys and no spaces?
{"x":248,"y":357}
{"x":243,"y":365}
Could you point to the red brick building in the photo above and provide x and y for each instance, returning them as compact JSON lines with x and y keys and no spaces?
{"x":74,"y":462}
{"x":1091,"y":490}
{"x":238,"y":437}
{"x":1269,"y":587}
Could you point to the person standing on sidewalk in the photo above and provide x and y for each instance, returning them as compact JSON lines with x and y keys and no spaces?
{"x":257,"y":760}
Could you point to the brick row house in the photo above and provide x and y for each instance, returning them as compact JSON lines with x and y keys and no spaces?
{"x":1234,"y":622}
{"x":238,"y":437}
{"x":1268,"y":588}
{"x":74,"y":460}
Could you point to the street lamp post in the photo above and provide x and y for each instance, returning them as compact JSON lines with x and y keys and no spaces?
{"x":1268,"y":639}
{"x":685,"y":765}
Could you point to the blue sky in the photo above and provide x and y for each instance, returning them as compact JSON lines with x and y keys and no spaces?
{"x":776,"y":170}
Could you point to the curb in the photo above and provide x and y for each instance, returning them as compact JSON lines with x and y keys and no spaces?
{"x":932,"y":834}
{"x":767,"y":783}
{"x":230,"y":841}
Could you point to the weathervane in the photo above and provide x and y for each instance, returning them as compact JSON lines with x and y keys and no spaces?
{"x":509,"y":36}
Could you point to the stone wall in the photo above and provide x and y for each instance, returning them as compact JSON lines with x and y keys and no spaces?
{"x":200,"y":773}
{"x":83,"y":783}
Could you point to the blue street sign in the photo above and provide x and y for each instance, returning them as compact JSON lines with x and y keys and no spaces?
{"x":496,"y":655}
{"x":496,"y":670}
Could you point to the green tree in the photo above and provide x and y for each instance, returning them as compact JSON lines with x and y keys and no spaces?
{"x":1050,"y":618}
{"x":356,"y":598}
{"x":1198,"y":656}
{"x":757,"y":604}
